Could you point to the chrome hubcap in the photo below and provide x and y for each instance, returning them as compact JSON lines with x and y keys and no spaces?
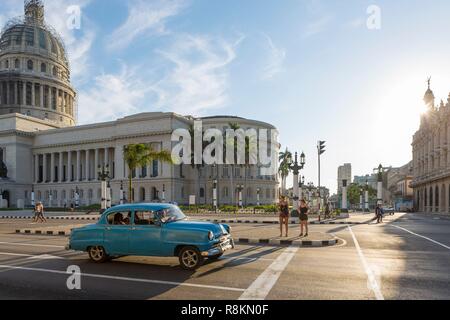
{"x":97,"y":253}
{"x":189,"y":258}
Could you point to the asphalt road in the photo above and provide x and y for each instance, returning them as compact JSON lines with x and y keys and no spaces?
{"x":406,"y":258}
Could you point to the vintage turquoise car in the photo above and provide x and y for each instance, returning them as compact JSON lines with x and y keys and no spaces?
{"x":152,"y":230}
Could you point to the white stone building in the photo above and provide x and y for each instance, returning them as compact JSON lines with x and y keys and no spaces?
{"x":43,"y":151}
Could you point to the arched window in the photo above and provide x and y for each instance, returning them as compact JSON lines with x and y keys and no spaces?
{"x":437,"y":197}
{"x":43,"y":68}
{"x":202,"y":192}
{"x":142,"y":194}
{"x":30,"y":65}
{"x":7,"y":64}
{"x":42,"y":39}
{"x":17,"y":64}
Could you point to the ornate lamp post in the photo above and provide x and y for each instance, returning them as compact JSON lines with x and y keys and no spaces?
{"x":121,"y":194}
{"x":103,"y":176}
{"x":215,"y":194}
{"x":296,"y":167}
{"x":240,"y":188}
{"x":163,"y":196}
{"x":77,"y":197}
{"x":366,"y":209}
{"x":379,"y":171}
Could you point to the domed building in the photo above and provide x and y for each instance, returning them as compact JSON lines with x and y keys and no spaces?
{"x":34,"y":70}
{"x":45,"y":156}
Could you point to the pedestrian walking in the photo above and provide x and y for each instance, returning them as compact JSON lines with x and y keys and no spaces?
{"x":39,"y":212}
{"x":304,"y":211}
{"x":379,"y":214}
{"x":284,"y":215}
{"x":327,"y":210}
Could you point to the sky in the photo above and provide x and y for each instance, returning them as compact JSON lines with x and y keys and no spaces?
{"x":316,"y":69}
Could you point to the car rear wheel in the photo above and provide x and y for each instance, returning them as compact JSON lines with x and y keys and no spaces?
{"x":190,"y":258}
{"x":97,"y":254}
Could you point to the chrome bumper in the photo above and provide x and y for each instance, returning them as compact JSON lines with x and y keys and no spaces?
{"x":220,"y":248}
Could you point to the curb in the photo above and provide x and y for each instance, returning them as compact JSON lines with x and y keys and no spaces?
{"x":275,"y":242}
{"x":48,"y":218}
{"x":277,"y":222}
{"x":299,"y":243}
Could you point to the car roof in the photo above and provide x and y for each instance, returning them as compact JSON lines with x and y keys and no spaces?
{"x":141,"y":206}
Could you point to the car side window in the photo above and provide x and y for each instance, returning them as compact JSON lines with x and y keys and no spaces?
{"x":143,"y":218}
{"x":122,"y":218}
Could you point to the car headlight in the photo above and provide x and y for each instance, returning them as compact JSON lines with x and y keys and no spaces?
{"x":210,"y":235}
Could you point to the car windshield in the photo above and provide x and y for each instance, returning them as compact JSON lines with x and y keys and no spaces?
{"x":171,"y":214}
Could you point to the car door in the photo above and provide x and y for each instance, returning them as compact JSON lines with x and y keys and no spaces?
{"x":145,"y":236}
{"x":117,"y":233}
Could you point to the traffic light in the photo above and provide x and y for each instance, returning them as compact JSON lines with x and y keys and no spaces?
{"x":321,"y":147}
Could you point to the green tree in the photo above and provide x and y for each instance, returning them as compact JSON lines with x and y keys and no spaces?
{"x":140,"y":155}
{"x":284,"y":167}
{"x":354,"y":192}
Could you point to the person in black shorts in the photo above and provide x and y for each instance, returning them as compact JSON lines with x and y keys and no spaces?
{"x":304,"y":211}
{"x":284,"y":215}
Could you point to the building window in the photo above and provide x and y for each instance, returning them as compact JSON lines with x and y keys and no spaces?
{"x":7,"y":64}
{"x":55,"y":71}
{"x":42,"y":39}
{"x":17,"y":64}
{"x":155,"y":169}
{"x":202,"y":192}
{"x":225,"y":192}
{"x":30,"y":65}
{"x":43,"y":68}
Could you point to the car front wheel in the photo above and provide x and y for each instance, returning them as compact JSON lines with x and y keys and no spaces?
{"x":190,"y":258}
{"x":97,"y":254}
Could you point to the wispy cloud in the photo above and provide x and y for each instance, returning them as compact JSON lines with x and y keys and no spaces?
{"x":198,"y":78}
{"x":316,"y":26}
{"x":356,"y":23}
{"x":145,"y":17}
{"x":112,"y":96}
{"x":276,"y":59}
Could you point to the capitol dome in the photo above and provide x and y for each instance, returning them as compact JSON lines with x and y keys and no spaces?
{"x":34,"y":69}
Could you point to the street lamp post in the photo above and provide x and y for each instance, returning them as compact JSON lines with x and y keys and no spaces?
{"x":215,"y":194}
{"x":103,"y":176}
{"x":366,"y":209}
{"x":379,"y":171}
{"x":361,"y":204}
{"x":121,"y":195}
{"x":258,"y":194}
{"x":240,"y":188}
{"x":344,"y":207}
{"x":77,"y":197}
{"x":296,"y":167}
{"x":163,"y":196}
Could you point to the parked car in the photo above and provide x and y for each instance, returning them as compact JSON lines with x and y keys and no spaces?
{"x":152,"y":230}
{"x":389,"y":210}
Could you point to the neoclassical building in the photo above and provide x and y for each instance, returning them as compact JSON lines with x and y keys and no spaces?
{"x":44,"y":151}
{"x":431,"y":157}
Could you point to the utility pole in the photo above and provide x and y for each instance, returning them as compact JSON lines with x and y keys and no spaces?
{"x":320,"y":151}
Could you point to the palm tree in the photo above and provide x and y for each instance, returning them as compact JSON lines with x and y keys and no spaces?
{"x":140,"y":155}
{"x":284,"y":170}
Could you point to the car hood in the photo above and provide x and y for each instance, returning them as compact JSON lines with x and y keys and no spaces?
{"x":216,"y":228}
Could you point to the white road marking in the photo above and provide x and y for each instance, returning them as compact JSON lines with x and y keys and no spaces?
{"x":420,"y":236}
{"x":31,"y":256}
{"x":370,"y":274}
{"x":262,"y":286}
{"x":32,"y":245}
{"x":102,"y":276}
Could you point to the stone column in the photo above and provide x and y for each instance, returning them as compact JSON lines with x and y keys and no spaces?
{"x":36,"y":168}
{"x":78,"y":171}
{"x":61,"y":167}
{"x":106,"y":156}
{"x":69,"y":166}
{"x":8,"y":98}
{"x":24,"y":94}
{"x":119,"y":163}
{"x":49,"y":97}
{"x":41,"y":97}
{"x":44,"y":168}
{"x":96,"y":164}
{"x":33,"y":94}
{"x":52,"y":167}
{"x":87,"y":169}
{"x":16,"y":98}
